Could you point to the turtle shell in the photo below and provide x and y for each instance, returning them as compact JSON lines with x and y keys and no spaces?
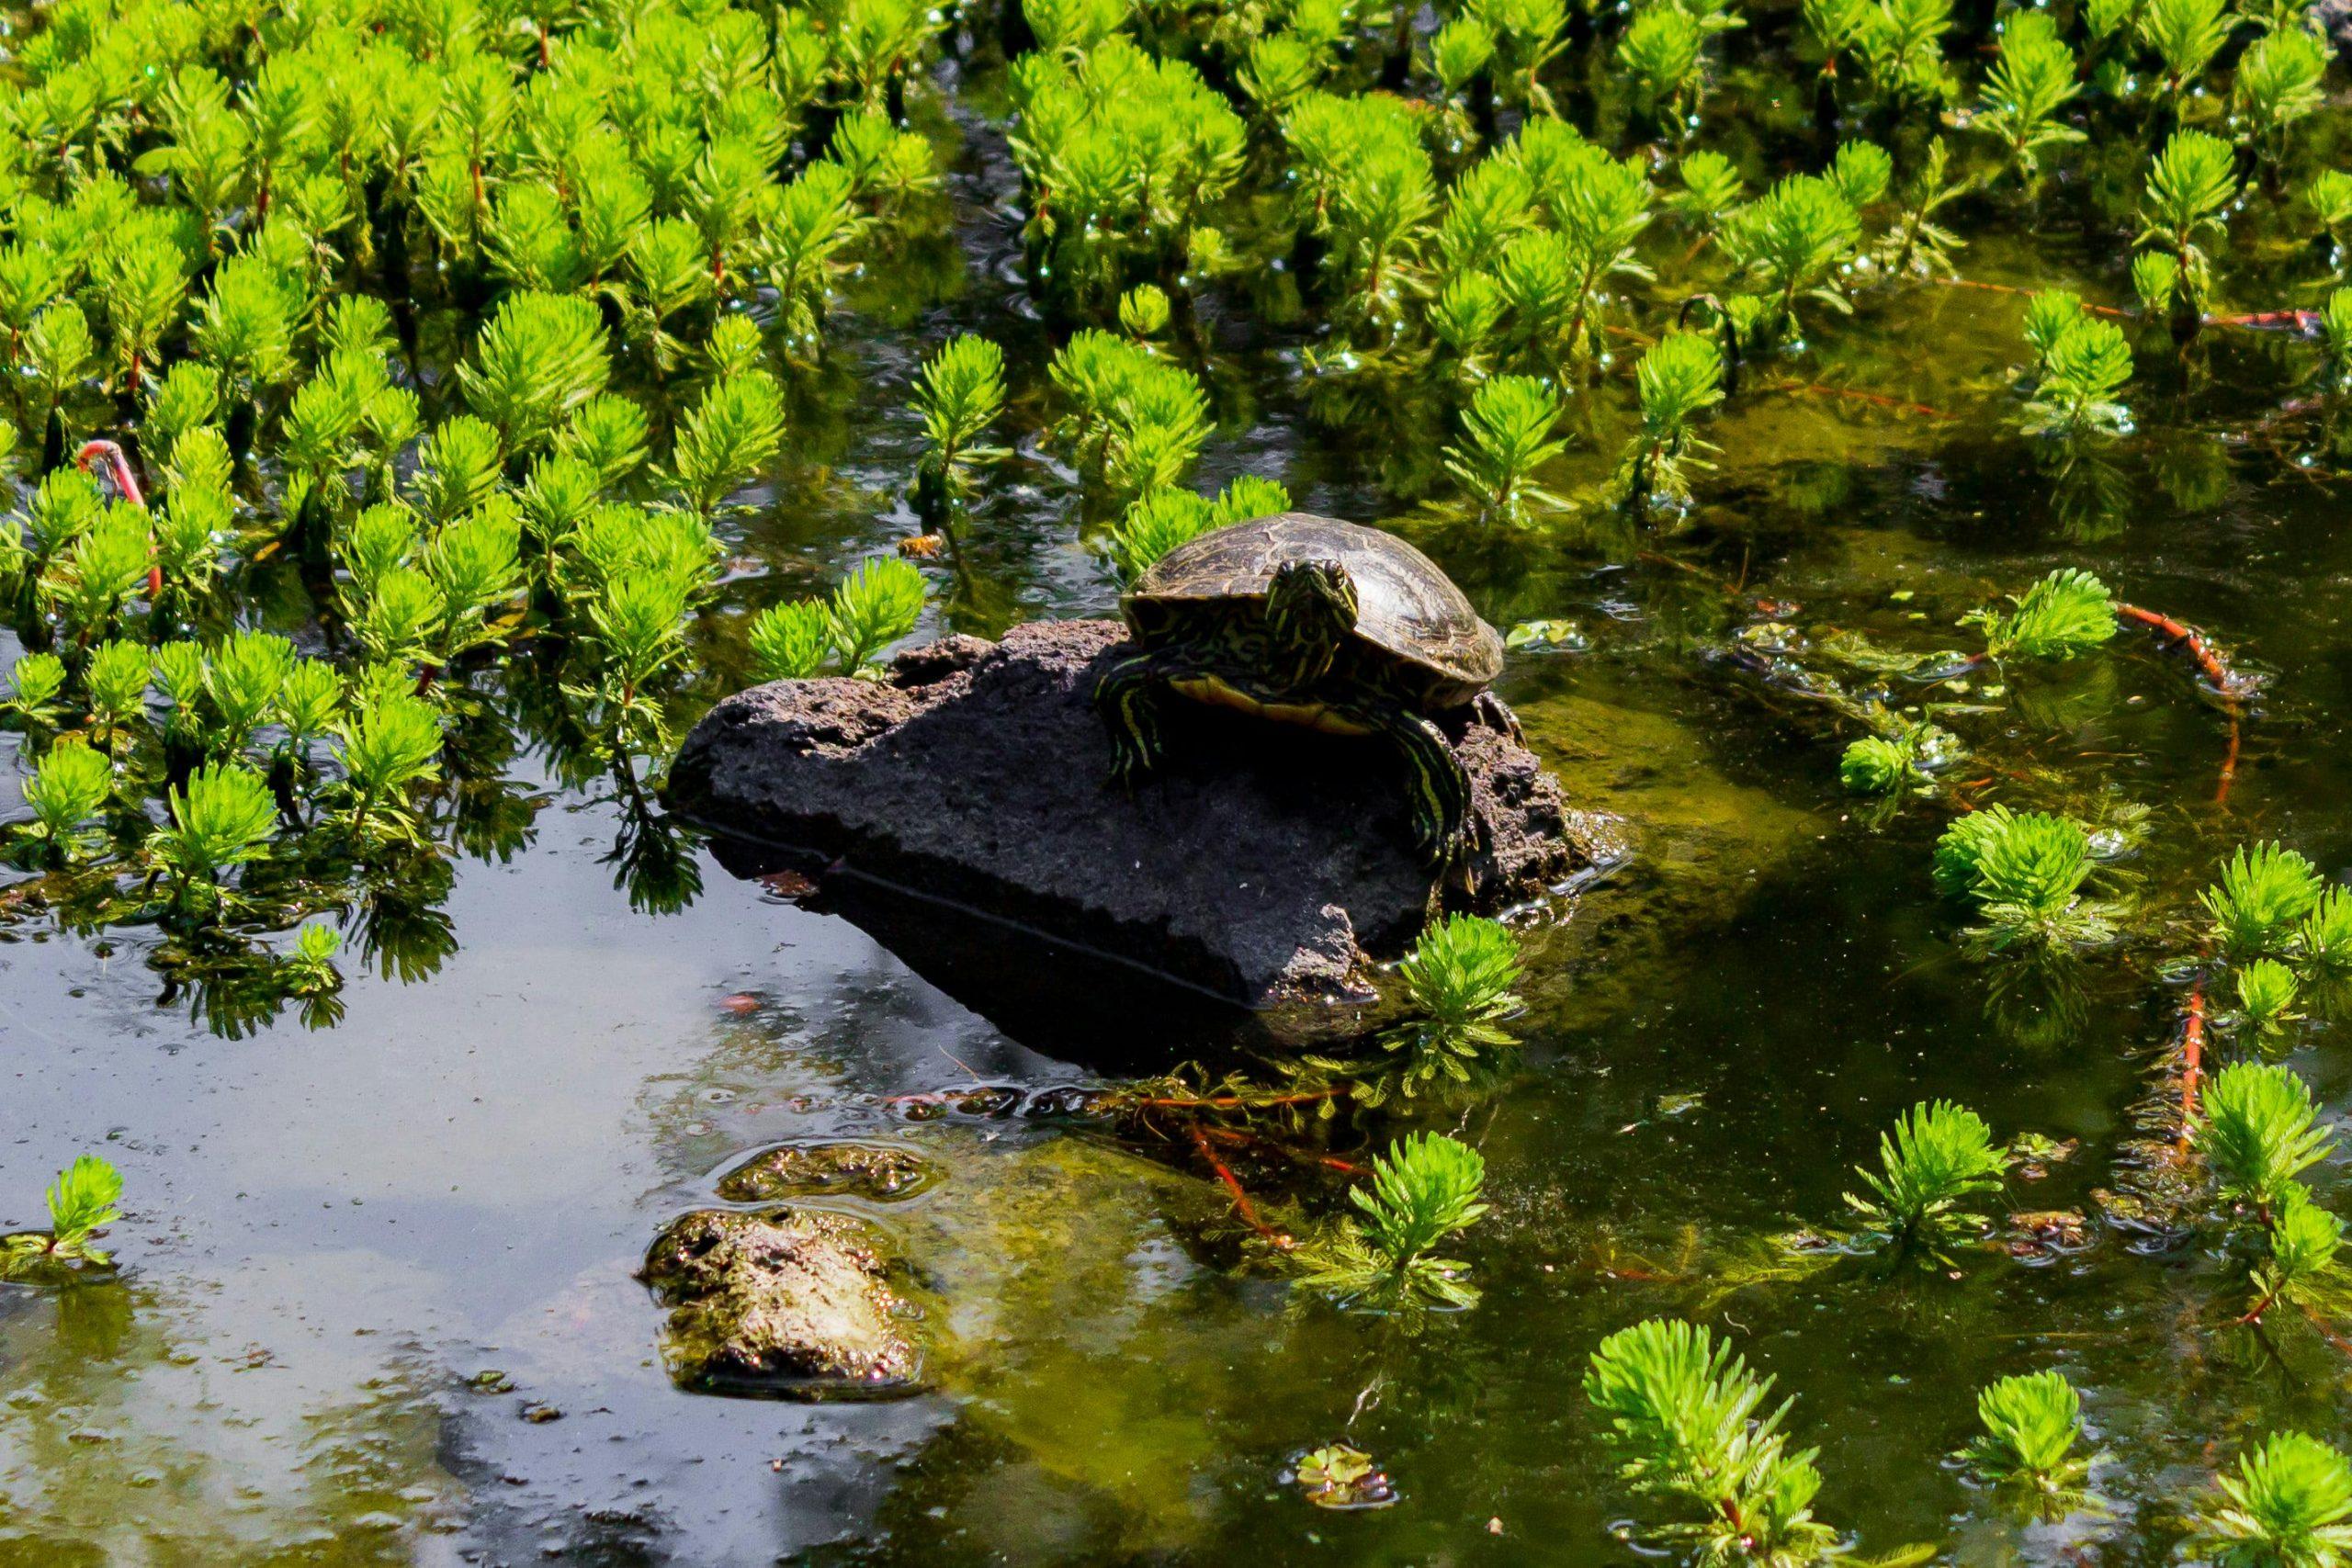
{"x":1406,"y":607}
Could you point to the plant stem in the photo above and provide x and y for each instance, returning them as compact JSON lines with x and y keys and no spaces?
{"x":1246,"y":1209}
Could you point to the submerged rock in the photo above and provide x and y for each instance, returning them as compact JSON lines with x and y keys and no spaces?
{"x":877,"y":1171}
{"x":1263,"y":864}
{"x":789,"y":1303}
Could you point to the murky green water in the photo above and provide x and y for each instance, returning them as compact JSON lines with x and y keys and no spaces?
{"x":332,"y":1232}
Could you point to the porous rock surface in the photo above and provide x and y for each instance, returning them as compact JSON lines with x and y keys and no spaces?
{"x":1265,"y":864}
{"x":789,"y":1303}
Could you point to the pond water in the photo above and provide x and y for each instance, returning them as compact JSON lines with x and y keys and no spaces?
{"x":378,"y":1300}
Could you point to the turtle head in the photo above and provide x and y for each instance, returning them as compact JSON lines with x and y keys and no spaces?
{"x":1310,"y":608}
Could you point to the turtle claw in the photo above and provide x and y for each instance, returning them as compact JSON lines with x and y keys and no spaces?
{"x":1495,"y":714}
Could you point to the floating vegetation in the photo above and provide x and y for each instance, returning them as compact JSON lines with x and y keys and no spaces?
{"x":1939,"y":1155}
{"x":82,"y":1203}
{"x":1691,"y":1423}
{"x":2031,"y":1440}
{"x":1425,"y":1189}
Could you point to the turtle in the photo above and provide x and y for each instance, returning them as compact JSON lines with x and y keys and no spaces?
{"x":1311,"y":621}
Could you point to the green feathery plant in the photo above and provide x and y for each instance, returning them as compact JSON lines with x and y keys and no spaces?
{"x":39,"y":680}
{"x":385,"y":744}
{"x":2084,"y":365}
{"x":221,"y":819}
{"x":2258,"y":1130}
{"x":2323,"y":940}
{"x":2027,"y":90}
{"x":2278,"y":84}
{"x":1791,"y":240}
{"x":2290,"y":1506}
{"x":2033,"y":1427}
{"x":1878,"y":764}
{"x":2064,"y":615}
{"x":2267,"y":991}
{"x":2184,"y":36}
{"x":2335,"y":331}
{"x":2305,"y":1240}
{"x":1157,"y":523}
{"x":1692,"y":1423}
{"x":1680,"y":377}
{"x":116,"y":680}
{"x":1506,"y":436}
{"x":2264,"y":892}
{"x":2024,"y":872}
{"x":869,"y":609}
{"x":1423,"y":1190}
{"x":1939,"y":1155}
{"x":83,"y":1200}
{"x":309,"y":970}
{"x":959,"y":392}
{"x":2190,"y":186}
{"x":70,"y":785}
{"x":1458,"y":978}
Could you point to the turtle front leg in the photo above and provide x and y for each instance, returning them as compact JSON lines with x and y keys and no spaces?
{"x":1128,"y":697}
{"x":1495,"y":714}
{"x":1440,"y":798}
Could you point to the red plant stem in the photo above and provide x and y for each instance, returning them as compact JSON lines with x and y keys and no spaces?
{"x":1246,"y":1209}
{"x":1240,"y":1138}
{"x":119,"y":467}
{"x":2192,"y":1058}
{"x":2304,"y":322}
{"x":1876,"y":400}
{"x":2203,"y":651}
{"x":2007,"y":289}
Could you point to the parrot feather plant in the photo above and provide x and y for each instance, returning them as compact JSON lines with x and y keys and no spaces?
{"x":1424,"y":1188}
{"x":83,"y":1200}
{"x":2030,"y":1442}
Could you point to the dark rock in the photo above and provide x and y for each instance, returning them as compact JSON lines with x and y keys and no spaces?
{"x":793,"y":1304}
{"x":1265,"y":863}
{"x":2335,"y":18}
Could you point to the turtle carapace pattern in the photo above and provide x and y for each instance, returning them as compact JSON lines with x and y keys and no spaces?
{"x":1311,"y":621}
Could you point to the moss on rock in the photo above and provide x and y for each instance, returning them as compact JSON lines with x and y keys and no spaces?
{"x":788,"y":1303}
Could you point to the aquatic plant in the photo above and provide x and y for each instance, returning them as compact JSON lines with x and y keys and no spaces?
{"x":1458,"y":979}
{"x":1791,"y":240}
{"x":2029,"y":85}
{"x":386,"y":744}
{"x":2290,"y":1506}
{"x":1157,"y":522}
{"x":1878,"y":764}
{"x":69,"y":787}
{"x":2277,"y":85}
{"x":2185,"y":35}
{"x":1677,"y":379}
{"x":2033,"y":1427}
{"x":2266,"y":994}
{"x":309,"y":970}
{"x":2257,"y":1128}
{"x":1424,"y":1188}
{"x":2264,"y":892}
{"x":1506,"y":436}
{"x":2024,"y":872}
{"x":2064,"y":615}
{"x":2190,"y":185}
{"x":2300,"y":1269}
{"x":83,"y":1200}
{"x":37,"y":681}
{"x":2084,"y":365}
{"x":875,"y":606}
{"x":959,"y":392}
{"x":1939,"y":1155}
{"x":2323,"y":940}
{"x":1691,"y":1422}
{"x":223,"y":817}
